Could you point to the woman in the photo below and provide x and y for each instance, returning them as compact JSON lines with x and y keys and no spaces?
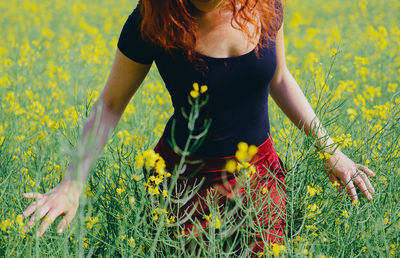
{"x":216,"y":43}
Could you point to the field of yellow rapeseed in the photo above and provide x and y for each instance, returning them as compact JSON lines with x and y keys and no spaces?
{"x":55,"y":57}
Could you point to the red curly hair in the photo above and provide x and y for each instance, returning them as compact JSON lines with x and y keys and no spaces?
{"x":169,"y":24}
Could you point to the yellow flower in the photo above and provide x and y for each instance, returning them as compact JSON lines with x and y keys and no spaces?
{"x":207,"y":217}
{"x":242,"y":146}
{"x":5,"y":224}
{"x":264,"y":190}
{"x":245,"y":152}
{"x":250,"y":171}
{"x":90,"y":221}
{"x":85,"y":242}
{"x":324,"y":155}
{"x":241,"y":155}
{"x":252,"y":150}
{"x":217,"y":220}
{"x":157,"y":180}
{"x":196,"y":86}
{"x":217,"y":223}
{"x":120,"y":190}
{"x":230,"y":165}
{"x":171,"y":219}
{"x":153,"y":190}
{"x":131,"y":242}
{"x":277,"y":248}
{"x":194,"y":94}
{"x":333,"y":51}
{"x":139,"y":161}
{"x":345,"y":213}
{"x":20,"y":220}
{"x":392,"y":249}
{"x":165,"y":193}
{"x":311,"y":191}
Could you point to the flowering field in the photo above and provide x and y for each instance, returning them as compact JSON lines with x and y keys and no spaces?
{"x":55,"y":57}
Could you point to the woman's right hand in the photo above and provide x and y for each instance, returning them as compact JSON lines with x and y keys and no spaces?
{"x":61,"y":200}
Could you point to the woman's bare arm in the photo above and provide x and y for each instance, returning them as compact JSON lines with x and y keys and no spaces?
{"x":289,"y":97}
{"x":125,"y":78}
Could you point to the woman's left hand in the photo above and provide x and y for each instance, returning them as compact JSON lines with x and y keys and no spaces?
{"x":343,"y":170}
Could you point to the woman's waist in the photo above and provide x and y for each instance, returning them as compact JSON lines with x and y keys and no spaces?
{"x":214,"y":144}
{"x":212,"y":154}
{"x":196,"y":168}
{"x":219,"y":138}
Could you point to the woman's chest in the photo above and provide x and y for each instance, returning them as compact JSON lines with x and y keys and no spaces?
{"x":232,"y":67}
{"x":229,"y":79}
{"x":224,"y":40}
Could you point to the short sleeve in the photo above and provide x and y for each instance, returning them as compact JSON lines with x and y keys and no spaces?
{"x":131,"y":43}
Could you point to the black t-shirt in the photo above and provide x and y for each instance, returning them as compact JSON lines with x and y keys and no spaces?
{"x":238,"y":89}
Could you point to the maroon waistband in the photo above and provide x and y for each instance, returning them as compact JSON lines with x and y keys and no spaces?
{"x":266,"y":152}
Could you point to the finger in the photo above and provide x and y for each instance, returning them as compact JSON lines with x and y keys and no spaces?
{"x":361,"y":184}
{"x":32,"y":195}
{"x":367,"y":170}
{"x":32,"y":207}
{"x":48,"y":219}
{"x":334,"y":179}
{"x":61,"y":225}
{"x":38,"y":215}
{"x":367,"y":182}
{"x":65,"y":221}
{"x":351,"y":190}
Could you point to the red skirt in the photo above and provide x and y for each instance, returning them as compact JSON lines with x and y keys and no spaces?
{"x":269,"y":178}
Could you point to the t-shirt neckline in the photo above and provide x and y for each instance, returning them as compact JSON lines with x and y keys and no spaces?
{"x":230,"y":57}
{"x":226,"y":58}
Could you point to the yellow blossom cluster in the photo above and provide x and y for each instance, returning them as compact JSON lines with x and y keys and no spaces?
{"x":314,"y":189}
{"x":2,"y":137}
{"x":91,"y":221}
{"x":164,"y":214}
{"x":154,"y":162}
{"x":196,"y":90}
{"x":215,"y":220}
{"x":128,"y":139}
{"x":243,"y":155}
{"x":312,"y":210}
{"x":131,"y":242}
{"x":18,"y":223}
{"x":324,"y":155}
{"x":276,"y":250}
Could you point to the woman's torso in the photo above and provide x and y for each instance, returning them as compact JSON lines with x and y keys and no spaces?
{"x":238,"y":87}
